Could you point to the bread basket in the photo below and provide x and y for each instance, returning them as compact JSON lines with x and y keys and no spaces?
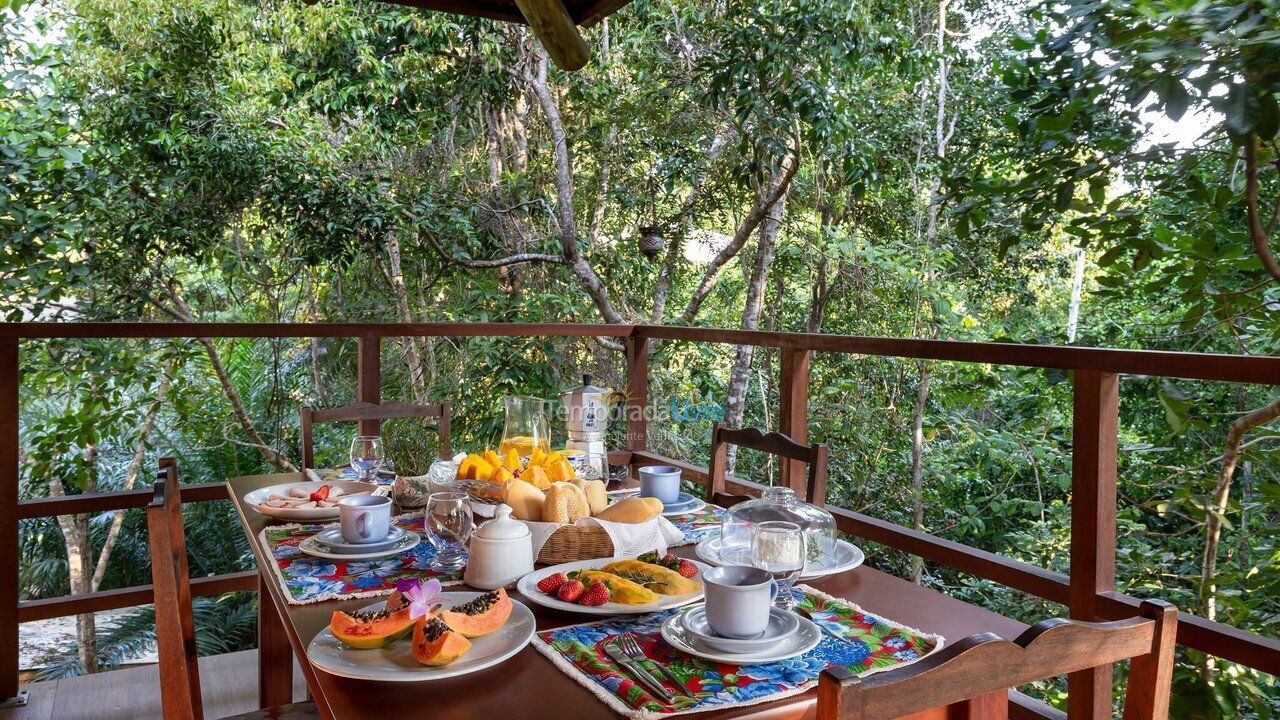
{"x":576,"y":542}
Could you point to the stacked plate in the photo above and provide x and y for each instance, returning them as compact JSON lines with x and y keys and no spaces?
{"x":686,"y":503}
{"x":787,"y":635}
{"x":330,"y":545}
{"x":846,"y":556}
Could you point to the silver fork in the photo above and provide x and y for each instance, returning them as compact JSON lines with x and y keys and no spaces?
{"x":628,"y":643}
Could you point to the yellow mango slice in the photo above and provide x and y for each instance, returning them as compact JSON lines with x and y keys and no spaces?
{"x":621,"y":590}
{"x":537,"y":456}
{"x":536,"y":477}
{"x":492,"y":458}
{"x":512,"y":462}
{"x":655,"y":577}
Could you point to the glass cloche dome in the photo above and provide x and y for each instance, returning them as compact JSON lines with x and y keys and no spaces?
{"x":777,"y":503}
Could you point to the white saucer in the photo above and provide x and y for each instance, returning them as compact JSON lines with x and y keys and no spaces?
{"x":782,"y":625}
{"x":847,"y":556}
{"x":310,"y":546}
{"x":686,"y":504}
{"x":332,"y":537}
{"x":802,"y":641}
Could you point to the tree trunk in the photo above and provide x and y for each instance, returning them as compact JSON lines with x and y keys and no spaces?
{"x":917,"y":461}
{"x":412,"y":355}
{"x":131,"y":475}
{"x":75,"y":533}
{"x":766,"y":202}
{"x":314,"y":342}
{"x":1218,"y":507}
{"x":739,"y":377}
{"x":1077,"y":287}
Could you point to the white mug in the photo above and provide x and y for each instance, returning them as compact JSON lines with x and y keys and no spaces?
{"x":738,"y":600}
{"x":364,"y":518}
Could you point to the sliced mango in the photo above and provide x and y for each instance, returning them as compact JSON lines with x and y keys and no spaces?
{"x":537,"y":477}
{"x":537,"y":456}
{"x":492,"y":458}
{"x":621,"y":590}
{"x":500,"y":475}
{"x":512,"y":462}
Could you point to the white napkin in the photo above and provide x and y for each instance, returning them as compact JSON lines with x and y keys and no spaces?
{"x":629,"y":539}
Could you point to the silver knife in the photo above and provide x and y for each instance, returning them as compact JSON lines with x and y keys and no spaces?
{"x":640,"y":673}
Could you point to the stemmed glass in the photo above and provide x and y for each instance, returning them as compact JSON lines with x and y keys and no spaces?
{"x":367,"y":456}
{"x":448,"y":522}
{"x":778,"y":547}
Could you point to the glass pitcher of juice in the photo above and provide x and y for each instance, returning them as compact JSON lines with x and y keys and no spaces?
{"x":526,"y":427}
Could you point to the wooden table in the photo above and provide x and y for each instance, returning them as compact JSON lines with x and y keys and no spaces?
{"x":528,"y":686}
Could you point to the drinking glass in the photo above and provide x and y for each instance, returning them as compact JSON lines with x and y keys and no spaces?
{"x":367,"y":456}
{"x":448,"y":522}
{"x":590,"y":466}
{"x":778,"y":548}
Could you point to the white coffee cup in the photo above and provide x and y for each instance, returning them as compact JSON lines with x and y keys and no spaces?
{"x":364,"y":518}
{"x":660,"y":481}
{"x":738,"y":600}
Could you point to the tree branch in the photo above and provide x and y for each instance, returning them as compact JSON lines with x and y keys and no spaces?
{"x":764,"y":204}
{"x":1261,"y":243}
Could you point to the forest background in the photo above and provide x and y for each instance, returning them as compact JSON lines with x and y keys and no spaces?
{"x":1090,"y":172}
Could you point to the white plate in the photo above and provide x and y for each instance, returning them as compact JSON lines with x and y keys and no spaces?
{"x":255,"y":498}
{"x":847,"y":557}
{"x":782,"y":625}
{"x":692,"y":505}
{"x":800,"y":642}
{"x":310,"y":546}
{"x":395,"y":663}
{"x":528,"y":587}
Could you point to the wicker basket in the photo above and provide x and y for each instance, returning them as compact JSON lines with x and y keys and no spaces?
{"x":572,"y":543}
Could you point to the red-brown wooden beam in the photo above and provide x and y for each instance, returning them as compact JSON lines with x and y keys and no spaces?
{"x":62,"y":606}
{"x":8,"y":518}
{"x":793,"y":412}
{"x":369,"y":381}
{"x":1094,"y":438}
{"x":108,"y":501}
{"x":637,"y":400}
{"x":275,"y":656}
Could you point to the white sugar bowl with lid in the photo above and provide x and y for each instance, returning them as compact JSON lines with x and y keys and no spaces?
{"x":501,"y":552}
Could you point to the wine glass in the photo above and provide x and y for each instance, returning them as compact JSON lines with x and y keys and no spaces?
{"x":778,"y":548}
{"x":447,"y":519}
{"x":367,"y":456}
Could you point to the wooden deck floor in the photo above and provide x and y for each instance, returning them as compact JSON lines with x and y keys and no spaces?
{"x":229,"y":684}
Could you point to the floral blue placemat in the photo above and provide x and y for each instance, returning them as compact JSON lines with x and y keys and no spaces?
{"x":700,"y":525}
{"x":872,"y":644}
{"x":307,"y":579}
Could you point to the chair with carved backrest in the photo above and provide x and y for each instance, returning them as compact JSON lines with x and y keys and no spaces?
{"x":370,"y":411}
{"x":175,"y":623}
{"x":774,"y":443}
{"x":972,"y":677}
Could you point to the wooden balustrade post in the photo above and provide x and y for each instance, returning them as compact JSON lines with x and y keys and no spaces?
{"x":637,"y":402}
{"x":1094,"y":436}
{"x":369,"y":382}
{"x":793,"y":412}
{"x":9,"y":695}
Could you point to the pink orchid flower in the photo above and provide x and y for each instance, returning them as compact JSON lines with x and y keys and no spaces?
{"x":421,"y":596}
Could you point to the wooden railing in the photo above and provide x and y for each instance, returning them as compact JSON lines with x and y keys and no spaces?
{"x":1088,"y":591}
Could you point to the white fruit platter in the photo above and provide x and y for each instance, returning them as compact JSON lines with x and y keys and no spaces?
{"x":528,"y":586}
{"x":395,"y":662}
{"x":305,"y":500}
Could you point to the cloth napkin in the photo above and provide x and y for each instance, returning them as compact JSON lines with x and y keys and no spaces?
{"x":629,"y":539}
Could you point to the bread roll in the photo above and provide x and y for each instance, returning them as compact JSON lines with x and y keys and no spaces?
{"x":597,"y":497}
{"x":526,"y":501}
{"x":566,"y":503}
{"x":632,"y":510}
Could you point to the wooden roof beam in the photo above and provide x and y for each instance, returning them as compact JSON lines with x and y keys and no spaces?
{"x":555,"y":29}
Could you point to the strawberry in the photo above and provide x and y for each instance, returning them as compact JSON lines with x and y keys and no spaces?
{"x":570,"y":591}
{"x":321,"y":494}
{"x":550,"y":583}
{"x":598,"y":594}
{"x":686,"y":568}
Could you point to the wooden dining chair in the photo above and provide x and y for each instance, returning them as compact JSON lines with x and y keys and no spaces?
{"x":175,"y":624}
{"x":774,"y":443}
{"x":370,"y":411}
{"x":972,"y":678}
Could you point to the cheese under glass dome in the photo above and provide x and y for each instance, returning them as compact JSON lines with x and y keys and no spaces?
{"x":777,"y":503}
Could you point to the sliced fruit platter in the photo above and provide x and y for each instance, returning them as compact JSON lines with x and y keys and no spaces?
{"x":423,"y":634}
{"x":612,"y":586}
{"x":305,"y":500}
